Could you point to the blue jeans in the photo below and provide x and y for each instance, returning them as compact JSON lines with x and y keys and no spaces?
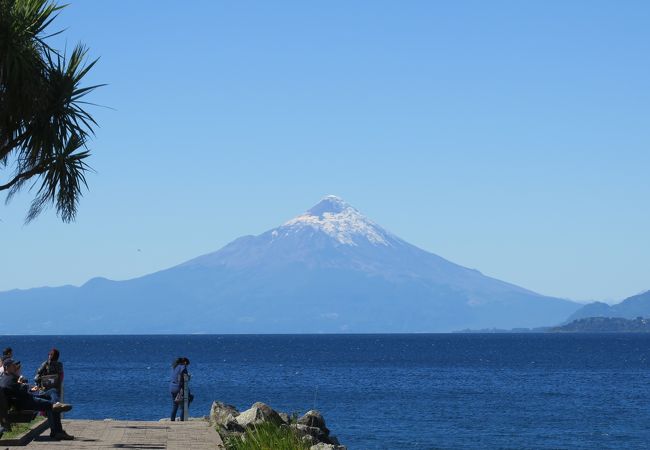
{"x":50,"y":394}
{"x":175,"y":408}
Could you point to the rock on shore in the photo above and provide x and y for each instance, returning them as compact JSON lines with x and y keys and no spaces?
{"x":310,"y":427}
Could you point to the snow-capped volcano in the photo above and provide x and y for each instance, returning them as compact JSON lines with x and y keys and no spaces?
{"x":330,"y":269}
{"x":339,"y":220}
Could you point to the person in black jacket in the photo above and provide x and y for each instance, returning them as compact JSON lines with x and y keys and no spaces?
{"x":19,"y":396}
{"x":50,"y":374}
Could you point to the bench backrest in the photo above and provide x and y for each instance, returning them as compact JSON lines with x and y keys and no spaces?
{"x":4,"y":408}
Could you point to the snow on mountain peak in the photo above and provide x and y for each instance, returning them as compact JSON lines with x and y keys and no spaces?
{"x":329,"y":204}
{"x":339,"y":220}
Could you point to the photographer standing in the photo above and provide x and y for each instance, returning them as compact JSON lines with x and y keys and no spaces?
{"x":176,"y":386}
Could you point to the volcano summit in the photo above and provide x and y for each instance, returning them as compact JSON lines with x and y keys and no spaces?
{"x":330,"y":269}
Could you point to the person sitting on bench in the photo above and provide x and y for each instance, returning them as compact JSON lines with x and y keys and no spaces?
{"x":7,"y":353}
{"x":20,"y":397}
{"x":49,"y":376}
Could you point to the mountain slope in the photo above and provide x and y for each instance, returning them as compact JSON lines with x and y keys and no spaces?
{"x":630,"y":308}
{"x":328,"y":270}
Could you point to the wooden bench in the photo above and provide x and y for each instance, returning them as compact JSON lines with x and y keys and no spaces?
{"x":9,"y":415}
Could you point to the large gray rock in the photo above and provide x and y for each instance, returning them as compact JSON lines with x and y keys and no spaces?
{"x":224,"y":416}
{"x":314,"y":418}
{"x":257,"y":414}
{"x":324,"y":446}
{"x":309,"y":440}
{"x":310,"y":427}
{"x":233,"y":426}
{"x":316,"y":433}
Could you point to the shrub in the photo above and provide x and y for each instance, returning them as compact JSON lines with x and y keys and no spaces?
{"x":267,"y":436}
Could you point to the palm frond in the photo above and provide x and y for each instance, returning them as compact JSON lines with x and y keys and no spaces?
{"x":44,"y":124}
{"x":62,"y":181}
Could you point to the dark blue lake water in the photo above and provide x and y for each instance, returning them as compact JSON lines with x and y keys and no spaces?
{"x":380,"y":391}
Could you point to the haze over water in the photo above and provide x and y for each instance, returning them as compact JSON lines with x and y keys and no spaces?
{"x":381,"y":391}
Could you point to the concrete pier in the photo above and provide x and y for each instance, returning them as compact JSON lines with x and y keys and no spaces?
{"x":119,"y":434}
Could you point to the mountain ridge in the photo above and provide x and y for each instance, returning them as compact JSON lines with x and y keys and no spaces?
{"x":330,"y":269}
{"x":629,"y":308}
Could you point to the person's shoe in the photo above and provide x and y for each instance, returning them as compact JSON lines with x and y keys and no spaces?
{"x":62,"y":436}
{"x":61,"y":407}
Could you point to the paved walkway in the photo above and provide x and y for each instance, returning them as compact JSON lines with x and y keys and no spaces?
{"x":115,"y":434}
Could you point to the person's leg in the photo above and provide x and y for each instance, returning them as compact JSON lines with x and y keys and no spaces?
{"x":54,"y":420}
{"x":51,"y":394}
{"x":174,"y":407}
{"x":35,"y":403}
{"x":41,"y":404}
{"x":54,"y":417}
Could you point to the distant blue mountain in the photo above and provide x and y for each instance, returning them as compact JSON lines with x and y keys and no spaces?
{"x":630,"y":308}
{"x":328,"y":270}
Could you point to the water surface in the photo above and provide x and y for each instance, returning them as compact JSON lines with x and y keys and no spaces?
{"x":380,"y":391}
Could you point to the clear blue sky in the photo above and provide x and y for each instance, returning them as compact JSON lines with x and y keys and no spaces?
{"x":511,"y":137}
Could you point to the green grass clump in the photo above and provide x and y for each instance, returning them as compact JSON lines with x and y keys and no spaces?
{"x":267,"y":436}
{"x":18,"y":429}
